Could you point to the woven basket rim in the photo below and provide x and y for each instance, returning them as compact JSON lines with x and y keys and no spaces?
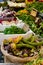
{"x":15,"y":58}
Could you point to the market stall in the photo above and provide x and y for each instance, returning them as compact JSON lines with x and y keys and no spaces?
{"x":21,"y":32}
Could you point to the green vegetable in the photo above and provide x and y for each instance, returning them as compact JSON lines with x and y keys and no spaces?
{"x":33,"y":43}
{"x":13,"y":30}
{"x":38,"y":61}
{"x":21,"y":44}
{"x":33,"y":39}
{"x":36,"y":5}
{"x":28,"y":19}
{"x":29,"y":38}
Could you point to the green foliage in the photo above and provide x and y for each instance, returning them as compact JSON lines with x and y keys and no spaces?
{"x":28,"y":19}
{"x":36,"y":5}
{"x":13,"y":30}
{"x":38,"y":61}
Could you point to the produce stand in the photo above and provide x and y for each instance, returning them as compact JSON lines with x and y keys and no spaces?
{"x":21,"y":32}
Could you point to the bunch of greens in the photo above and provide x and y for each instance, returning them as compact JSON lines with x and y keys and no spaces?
{"x":38,"y":61}
{"x":14,"y":30}
{"x":28,"y":19}
{"x":36,"y":5}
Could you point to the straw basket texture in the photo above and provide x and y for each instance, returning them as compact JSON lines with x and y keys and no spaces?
{"x":14,"y":59}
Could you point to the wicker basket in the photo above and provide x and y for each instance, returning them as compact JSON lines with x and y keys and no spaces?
{"x":14,"y":59}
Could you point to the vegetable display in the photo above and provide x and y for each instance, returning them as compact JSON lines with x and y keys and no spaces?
{"x":21,"y":47}
{"x":13,"y":30}
{"x":28,"y":19}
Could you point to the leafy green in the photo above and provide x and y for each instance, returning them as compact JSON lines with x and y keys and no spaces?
{"x":38,"y":61}
{"x":28,"y":19}
{"x":36,"y":5}
{"x":13,"y":30}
